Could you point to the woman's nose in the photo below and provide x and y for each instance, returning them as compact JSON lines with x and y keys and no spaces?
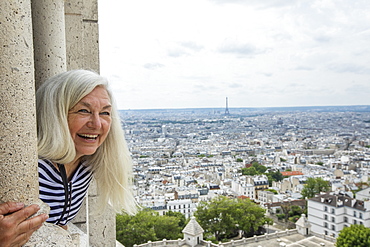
{"x":94,"y":121}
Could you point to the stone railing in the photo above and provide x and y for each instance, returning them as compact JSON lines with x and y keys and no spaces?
{"x":164,"y":242}
{"x":240,"y":242}
{"x":232,"y":243}
{"x":254,"y":239}
{"x":323,"y":236}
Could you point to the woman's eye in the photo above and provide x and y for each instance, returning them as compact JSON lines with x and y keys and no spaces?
{"x":83,"y":111}
{"x":105,"y":113}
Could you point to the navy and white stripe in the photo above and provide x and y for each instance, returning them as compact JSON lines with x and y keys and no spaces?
{"x":52,"y":191}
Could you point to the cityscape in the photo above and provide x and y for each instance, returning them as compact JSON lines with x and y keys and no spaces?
{"x":184,"y":156}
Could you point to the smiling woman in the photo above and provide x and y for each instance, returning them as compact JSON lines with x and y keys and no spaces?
{"x":80,"y":138}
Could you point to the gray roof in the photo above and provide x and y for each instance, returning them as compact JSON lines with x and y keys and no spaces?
{"x":339,"y":200}
{"x":193,"y":228}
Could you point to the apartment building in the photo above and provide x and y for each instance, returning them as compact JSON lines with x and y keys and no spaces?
{"x":330,"y":212}
{"x":186,"y":207}
{"x":242,"y":187}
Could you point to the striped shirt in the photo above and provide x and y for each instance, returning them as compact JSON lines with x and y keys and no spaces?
{"x":52,"y":191}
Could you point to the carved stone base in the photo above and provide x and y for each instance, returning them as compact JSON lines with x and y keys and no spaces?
{"x":50,"y":235}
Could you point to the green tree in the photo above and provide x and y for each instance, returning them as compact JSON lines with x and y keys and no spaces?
{"x":248,"y":216}
{"x":259,"y":168}
{"x":274,"y":176}
{"x":314,"y":186}
{"x":222,"y":217}
{"x":136,"y":229}
{"x":355,"y":235}
{"x":180,"y":217}
{"x":214,"y":218}
{"x":295,"y":211}
{"x":147,"y":225}
{"x":239,"y":160}
{"x":251,"y":171}
{"x":277,"y":176}
{"x":167,"y":227}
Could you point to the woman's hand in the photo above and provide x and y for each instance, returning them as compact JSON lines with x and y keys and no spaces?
{"x":15,"y":227}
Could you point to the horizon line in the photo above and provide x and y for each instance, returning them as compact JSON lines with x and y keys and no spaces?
{"x":240,"y":107}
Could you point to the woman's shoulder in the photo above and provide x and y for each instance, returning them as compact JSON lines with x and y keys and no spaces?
{"x":45,"y":164}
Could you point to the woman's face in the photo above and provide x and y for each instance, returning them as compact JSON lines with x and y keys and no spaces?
{"x":89,"y":121}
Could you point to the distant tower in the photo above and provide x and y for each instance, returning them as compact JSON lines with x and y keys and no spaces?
{"x":227,"y":108}
{"x":164,"y":131}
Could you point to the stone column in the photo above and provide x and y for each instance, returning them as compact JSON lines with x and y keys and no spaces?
{"x":18,"y":141}
{"x":82,"y":34}
{"x":18,"y":144}
{"x":82,"y":39}
{"x":49,"y":39}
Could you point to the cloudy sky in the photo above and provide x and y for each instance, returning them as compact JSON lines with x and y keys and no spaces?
{"x":258,"y":53}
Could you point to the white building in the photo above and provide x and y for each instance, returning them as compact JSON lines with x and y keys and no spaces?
{"x":266,"y":196}
{"x":186,"y":207}
{"x":330,"y":212}
{"x":243,"y":188}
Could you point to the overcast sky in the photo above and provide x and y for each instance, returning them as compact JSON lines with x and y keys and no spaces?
{"x":258,"y":53}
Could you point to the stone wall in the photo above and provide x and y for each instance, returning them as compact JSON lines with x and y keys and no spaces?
{"x":41,"y":38}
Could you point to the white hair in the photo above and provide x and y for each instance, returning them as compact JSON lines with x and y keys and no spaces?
{"x":111,"y":163}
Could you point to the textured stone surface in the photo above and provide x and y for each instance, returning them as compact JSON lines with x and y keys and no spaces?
{"x":49,"y":38}
{"x":82,"y":34}
{"x":102,"y":228}
{"x":18,"y":143}
{"x":79,"y":237}
{"x":18,"y":152}
{"x":50,"y":235}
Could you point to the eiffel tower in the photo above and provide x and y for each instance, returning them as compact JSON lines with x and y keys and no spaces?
{"x":227,"y":108}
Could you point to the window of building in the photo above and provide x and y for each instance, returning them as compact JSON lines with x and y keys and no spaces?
{"x":333,"y":211}
{"x":361,"y":223}
{"x":360,"y":216}
{"x":325,"y":217}
{"x":354,"y":222}
{"x":333,"y":227}
{"x":354,"y":213}
{"x":345,"y":219}
{"x":332,"y":219}
{"x":326,"y":209}
{"x":326,"y":232}
{"x":325,"y":225}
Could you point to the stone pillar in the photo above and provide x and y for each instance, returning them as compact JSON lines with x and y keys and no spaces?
{"x":82,"y":34}
{"x":102,"y":228}
{"x":49,"y":39}
{"x":82,"y":39}
{"x":18,"y":141}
